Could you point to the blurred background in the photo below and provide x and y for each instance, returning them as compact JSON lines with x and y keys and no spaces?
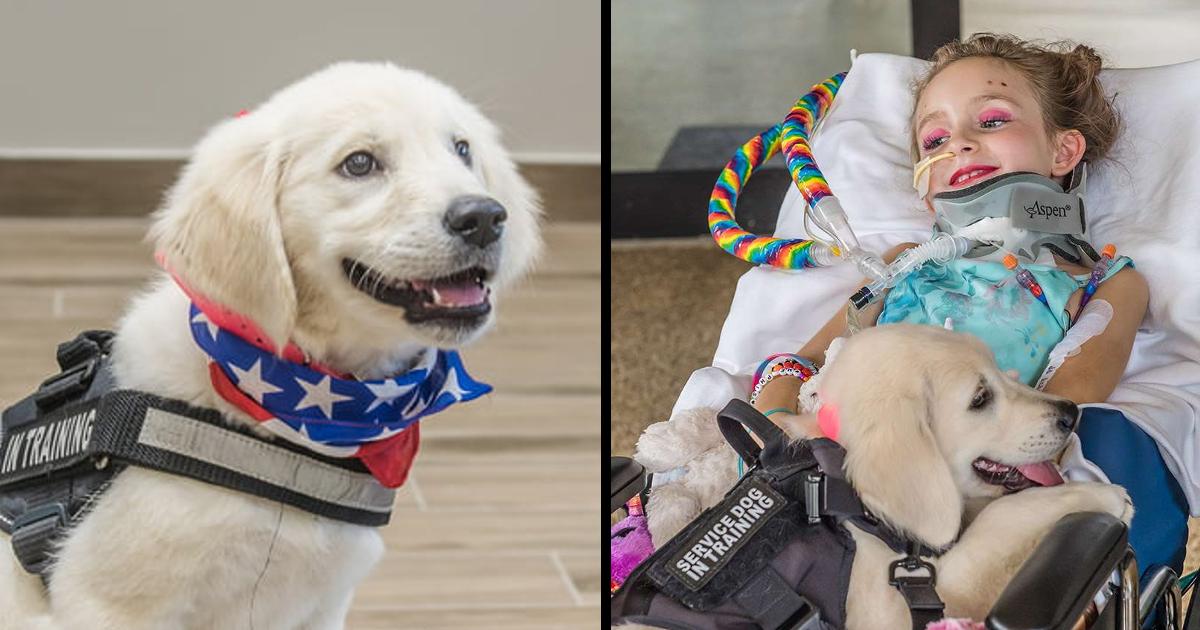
{"x":101,"y":104}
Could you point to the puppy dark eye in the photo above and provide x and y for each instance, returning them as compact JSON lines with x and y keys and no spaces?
{"x":463,"y":149}
{"x":983,"y":396}
{"x":359,"y":164}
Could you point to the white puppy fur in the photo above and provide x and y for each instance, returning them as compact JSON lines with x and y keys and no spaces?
{"x":904,"y":395}
{"x":260,"y":221}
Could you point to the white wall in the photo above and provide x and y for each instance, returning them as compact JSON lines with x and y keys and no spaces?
{"x":722,"y":62}
{"x":1126,"y":34}
{"x":132,"y":78}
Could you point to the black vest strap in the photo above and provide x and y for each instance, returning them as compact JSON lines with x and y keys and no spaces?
{"x":733,"y":421}
{"x":919,"y":591}
{"x":773,"y":603}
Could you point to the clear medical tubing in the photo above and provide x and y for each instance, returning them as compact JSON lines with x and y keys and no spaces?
{"x":941,"y":249}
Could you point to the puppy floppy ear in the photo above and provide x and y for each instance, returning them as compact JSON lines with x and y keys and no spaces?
{"x":219,"y":230}
{"x":893,"y":460}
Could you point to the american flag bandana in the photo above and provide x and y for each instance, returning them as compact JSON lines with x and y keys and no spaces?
{"x":374,"y":420}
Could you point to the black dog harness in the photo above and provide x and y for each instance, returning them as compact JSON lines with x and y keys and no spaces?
{"x":775,"y":552}
{"x":63,"y":445}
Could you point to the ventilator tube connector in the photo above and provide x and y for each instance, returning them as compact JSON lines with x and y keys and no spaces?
{"x":828,"y":214}
{"x":941,"y":249}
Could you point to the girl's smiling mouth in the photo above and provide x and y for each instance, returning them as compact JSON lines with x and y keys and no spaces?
{"x":969,"y":174}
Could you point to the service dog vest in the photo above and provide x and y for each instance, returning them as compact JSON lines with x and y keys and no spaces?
{"x":775,"y":552}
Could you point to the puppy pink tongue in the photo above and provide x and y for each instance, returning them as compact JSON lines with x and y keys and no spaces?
{"x":1042,"y":473}
{"x":467,"y":293}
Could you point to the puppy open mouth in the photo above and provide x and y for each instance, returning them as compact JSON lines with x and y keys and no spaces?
{"x":1015,"y":478}
{"x":462,"y":295}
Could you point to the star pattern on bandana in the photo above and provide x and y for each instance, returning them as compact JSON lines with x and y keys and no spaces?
{"x":252,"y":382}
{"x":312,"y":406}
{"x":387,"y":392}
{"x":319,"y":395}
{"x":201,"y":318}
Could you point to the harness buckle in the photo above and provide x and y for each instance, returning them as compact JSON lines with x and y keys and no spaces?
{"x":77,"y":359}
{"x":911,"y":564}
{"x":33,"y":535}
{"x":814,"y":496}
{"x":919,"y":591}
{"x":65,"y":385}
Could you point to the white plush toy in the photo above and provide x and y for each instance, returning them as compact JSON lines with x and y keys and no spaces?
{"x":694,"y":467}
{"x":692,"y":463}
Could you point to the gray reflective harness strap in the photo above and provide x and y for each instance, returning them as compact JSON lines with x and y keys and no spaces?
{"x":58,"y":465}
{"x":140,"y":429}
{"x":61,"y":446}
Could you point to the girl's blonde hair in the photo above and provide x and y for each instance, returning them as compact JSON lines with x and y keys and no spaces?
{"x":1064,"y":77}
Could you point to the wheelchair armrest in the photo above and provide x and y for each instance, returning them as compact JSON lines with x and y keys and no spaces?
{"x":628,"y":478}
{"x":1055,"y":585}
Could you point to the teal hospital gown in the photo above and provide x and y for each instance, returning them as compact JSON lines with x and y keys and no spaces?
{"x":983,"y":298}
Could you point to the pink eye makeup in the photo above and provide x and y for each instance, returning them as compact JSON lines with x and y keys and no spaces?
{"x":994,"y":115}
{"x":933,"y":139}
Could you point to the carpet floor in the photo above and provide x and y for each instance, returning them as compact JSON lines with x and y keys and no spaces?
{"x":669,"y":299}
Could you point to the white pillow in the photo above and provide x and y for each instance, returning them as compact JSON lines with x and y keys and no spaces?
{"x":1145,"y":198}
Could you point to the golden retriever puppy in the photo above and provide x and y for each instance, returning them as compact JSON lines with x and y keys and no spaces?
{"x":930,"y":426}
{"x":364,"y":214}
{"x":940,"y":445}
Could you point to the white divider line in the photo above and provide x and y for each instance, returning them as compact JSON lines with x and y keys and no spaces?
{"x":418,"y":555}
{"x":464,"y":606}
{"x":501,"y":509}
{"x":57,"y":305}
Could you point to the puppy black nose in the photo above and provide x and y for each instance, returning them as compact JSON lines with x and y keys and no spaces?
{"x":475,"y":219}
{"x":1068,"y":415}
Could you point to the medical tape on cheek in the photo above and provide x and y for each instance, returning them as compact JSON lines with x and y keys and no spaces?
{"x":921,"y":172}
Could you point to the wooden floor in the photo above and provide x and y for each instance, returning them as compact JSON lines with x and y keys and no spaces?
{"x":498,"y":524}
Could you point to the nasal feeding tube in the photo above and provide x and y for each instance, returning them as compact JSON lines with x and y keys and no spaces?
{"x":921,"y":172}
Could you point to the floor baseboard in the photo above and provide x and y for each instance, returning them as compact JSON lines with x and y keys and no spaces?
{"x":660,"y":204}
{"x":96,"y":188}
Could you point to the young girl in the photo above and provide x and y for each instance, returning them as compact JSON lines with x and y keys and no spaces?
{"x":999,"y":105}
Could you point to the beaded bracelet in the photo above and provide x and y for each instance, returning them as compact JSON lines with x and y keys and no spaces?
{"x":784,"y":364}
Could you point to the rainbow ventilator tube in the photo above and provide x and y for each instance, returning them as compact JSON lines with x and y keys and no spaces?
{"x":822,"y":208}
